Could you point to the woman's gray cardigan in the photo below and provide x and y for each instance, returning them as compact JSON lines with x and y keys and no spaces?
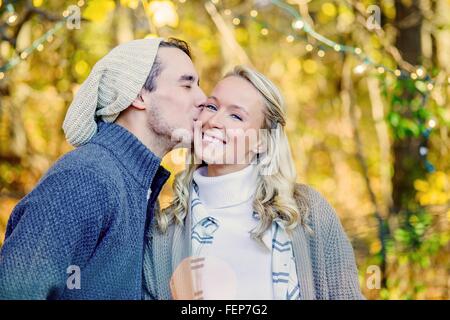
{"x":325,"y":260}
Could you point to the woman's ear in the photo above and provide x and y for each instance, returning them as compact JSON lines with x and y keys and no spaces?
{"x":261,"y":147}
{"x":263,"y":141}
{"x":138,"y":102}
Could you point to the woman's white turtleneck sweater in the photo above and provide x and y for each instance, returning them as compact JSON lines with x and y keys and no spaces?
{"x":228,"y":198}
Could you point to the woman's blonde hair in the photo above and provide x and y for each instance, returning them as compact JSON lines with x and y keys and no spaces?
{"x":276,"y":195}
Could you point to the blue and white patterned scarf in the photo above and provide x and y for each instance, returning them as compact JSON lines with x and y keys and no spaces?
{"x":284,"y":274}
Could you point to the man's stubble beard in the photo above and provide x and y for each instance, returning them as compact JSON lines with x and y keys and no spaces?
{"x":158,"y":124}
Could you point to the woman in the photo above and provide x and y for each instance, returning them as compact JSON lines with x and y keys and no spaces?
{"x":239,"y":226}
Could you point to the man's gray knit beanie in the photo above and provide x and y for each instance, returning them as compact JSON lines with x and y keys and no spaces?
{"x":113,"y":84}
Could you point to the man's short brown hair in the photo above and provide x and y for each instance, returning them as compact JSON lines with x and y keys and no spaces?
{"x":150,"y":83}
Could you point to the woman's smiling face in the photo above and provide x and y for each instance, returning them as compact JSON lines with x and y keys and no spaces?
{"x":231,"y":119}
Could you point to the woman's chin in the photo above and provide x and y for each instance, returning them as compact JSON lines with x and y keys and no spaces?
{"x":209,"y":153}
{"x":208,"y":159}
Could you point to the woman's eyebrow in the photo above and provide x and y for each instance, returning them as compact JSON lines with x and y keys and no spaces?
{"x":240,"y":108}
{"x":232,"y":105}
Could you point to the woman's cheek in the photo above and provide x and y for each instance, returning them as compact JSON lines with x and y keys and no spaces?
{"x":237,"y":148}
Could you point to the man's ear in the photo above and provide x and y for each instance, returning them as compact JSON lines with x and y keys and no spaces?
{"x":138,"y":102}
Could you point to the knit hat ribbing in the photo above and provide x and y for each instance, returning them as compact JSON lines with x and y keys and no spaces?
{"x":113,"y":84}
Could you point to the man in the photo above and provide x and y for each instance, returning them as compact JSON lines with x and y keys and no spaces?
{"x":79,"y":234}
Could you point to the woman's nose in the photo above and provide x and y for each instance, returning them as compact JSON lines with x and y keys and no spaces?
{"x":215,"y":121}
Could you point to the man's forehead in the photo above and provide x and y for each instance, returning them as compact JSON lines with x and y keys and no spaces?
{"x":177,"y":64}
{"x":173,"y":55}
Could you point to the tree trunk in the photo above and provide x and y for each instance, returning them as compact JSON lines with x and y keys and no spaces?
{"x":407,"y":162}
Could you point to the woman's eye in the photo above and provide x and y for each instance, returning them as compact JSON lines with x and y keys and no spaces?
{"x":211,"y":106}
{"x":188,"y":87}
{"x":235,"y":116}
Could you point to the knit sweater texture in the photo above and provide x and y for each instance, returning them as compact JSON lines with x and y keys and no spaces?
{"x":325,"y":260}
{"x":85,"y":218}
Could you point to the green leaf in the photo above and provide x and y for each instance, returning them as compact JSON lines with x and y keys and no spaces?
{"x":393,"y":119}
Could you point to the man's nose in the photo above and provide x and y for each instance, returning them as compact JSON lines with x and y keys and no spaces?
{"x":200,"y":98}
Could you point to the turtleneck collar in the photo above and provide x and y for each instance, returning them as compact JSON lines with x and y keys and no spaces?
{"x":226,"y":190}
